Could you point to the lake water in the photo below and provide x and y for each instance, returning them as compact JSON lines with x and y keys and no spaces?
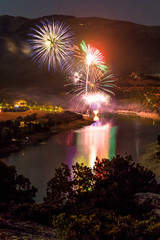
{"x":105,"y":138}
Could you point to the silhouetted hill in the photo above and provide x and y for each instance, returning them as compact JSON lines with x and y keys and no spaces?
{"x":127,"y":47}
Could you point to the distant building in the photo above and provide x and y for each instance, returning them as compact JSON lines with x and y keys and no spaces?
{"x":20,"y":103}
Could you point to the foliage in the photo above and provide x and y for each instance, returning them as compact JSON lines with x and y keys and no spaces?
{"x":59,"y":187}
{"x":40,"y":213}
{"x":24,"y":191}
{"x":82,"y":178}
{"x":13,"y":132}
{"x":60,"y":118}
{"x":30,"y":117}
{"x":105,"y":225}
{"x":14,"y":187}
{"x":110,"y":184}
{"x":88,"y":203}
{"x":63,"y":189}
{"x":118,"y":180}
{"x":76,"y":227}
{"x":158,"y":139}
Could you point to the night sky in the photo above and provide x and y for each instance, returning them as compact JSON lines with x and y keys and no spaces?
{"x":139,"y":11}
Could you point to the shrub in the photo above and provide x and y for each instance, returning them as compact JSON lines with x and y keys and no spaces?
{"x":105,"y":226}
{"x":15,"y":187}
{"x":40,"y":213}
{"x":110,"y":184}
{"x":117,"y":181}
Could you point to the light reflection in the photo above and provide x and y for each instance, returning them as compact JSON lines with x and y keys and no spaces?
{"x":92,"y":141}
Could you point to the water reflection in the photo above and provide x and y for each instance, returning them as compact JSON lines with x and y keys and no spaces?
{"x":91,"y":141}
{"x":106,"y":138}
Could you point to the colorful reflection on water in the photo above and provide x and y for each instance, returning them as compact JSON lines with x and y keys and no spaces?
{"x":92,"y":141}
{"x":110,"y":136}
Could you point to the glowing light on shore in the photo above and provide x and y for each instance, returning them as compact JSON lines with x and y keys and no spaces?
{"x":51,"y":44}
{"x":96,"y":118}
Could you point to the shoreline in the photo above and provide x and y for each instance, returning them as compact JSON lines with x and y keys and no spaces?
{"x":148,"y":115}
{"x":40,"y":137}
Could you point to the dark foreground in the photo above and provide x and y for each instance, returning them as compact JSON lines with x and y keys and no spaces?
{"x":13,"y":229}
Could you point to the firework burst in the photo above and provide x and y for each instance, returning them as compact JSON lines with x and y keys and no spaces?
{"x":96,"y":99}
{"x":99,"y":87}
{"x":89,"y":55}
{"x":88,"y":58}
{"x":97,"y":82}
{"x":51,"y":44}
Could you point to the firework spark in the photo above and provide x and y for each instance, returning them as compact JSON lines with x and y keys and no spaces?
{"x":96,"y":98}
{"x":89,"y":59}
{"x":89,"y":55}
{"x":51,"y":44}
{"x":98,"y":82}
{"x":99,"y":86}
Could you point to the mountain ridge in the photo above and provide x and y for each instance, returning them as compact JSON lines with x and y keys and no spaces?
{"x":127,"y":46}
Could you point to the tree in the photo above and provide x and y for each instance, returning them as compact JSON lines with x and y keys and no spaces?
{"x":110,"y":184}
{"x":14,"y":187}
{"x":158,"y":139}
{"x":7,"y":182}
{"x":31,"y":117}
{"x":59,"y":188}
{"x":119,"y":179}
{"x":63,"y":188}
{"x":82,"y":178}
{"x":25,"y":193}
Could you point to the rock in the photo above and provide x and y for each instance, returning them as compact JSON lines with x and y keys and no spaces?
{"x":13,"y":229}
{"x":152,"y":200}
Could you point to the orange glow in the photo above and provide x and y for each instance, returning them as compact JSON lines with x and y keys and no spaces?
{"x":96,"y":118}
{"x":92,"y":84}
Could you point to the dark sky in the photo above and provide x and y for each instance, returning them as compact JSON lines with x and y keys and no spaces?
{"x":139,"y":11}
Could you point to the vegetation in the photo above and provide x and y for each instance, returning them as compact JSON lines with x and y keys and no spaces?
{"x":22,"y":105}
{"x":106,"y":225}
{"x":18,"y":132}
{"x":88,"y":203}
{"x":14,"y":187}
{"x":110,"y":184}
{"x":99,"y":203}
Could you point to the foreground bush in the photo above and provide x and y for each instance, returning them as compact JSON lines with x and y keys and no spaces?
{"x":40,"y":213}
{"x":99,"y":203}
{"x":118,"y":180}
{"x":110,"y":184}
{"x":13,"y":187}
{"x":105,"y":226}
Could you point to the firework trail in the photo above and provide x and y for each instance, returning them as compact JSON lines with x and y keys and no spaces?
{"x":89,"y":58}
{"x":51,"y":44}
{"x":99,"y":86}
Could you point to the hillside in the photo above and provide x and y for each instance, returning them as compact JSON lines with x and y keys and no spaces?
{"x":127,"y":47}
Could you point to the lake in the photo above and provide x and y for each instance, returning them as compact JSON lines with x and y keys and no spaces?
{"x":109,"y":136}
